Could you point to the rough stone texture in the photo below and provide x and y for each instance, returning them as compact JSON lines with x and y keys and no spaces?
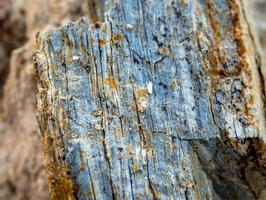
{"x":161,"y":101}
{"x":21,"y":172}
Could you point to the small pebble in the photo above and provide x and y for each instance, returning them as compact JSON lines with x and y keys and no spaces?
{"x":149,"y":87}
{"x":75,"y":57}
{"x":130,"y":26}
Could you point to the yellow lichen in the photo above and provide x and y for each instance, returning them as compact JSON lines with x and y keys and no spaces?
{"x":117,"y":37}
{"x":142,"y":92}
{"x":110,"y":81}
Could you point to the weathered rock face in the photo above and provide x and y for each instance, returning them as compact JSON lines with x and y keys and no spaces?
{"x":22,"y":174}
{"x":124,"y":105}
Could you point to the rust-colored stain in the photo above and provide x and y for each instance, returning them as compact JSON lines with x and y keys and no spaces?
{"x":214,"y":54}
{"x":82,"y":166}
{"x":143,"y":92}
{"x":68,"y":41}
{"x":241,"y":47}
{"x":214,"y":61}
{"x":214,"y":58}
{"x":110,"y":81}
{"x":237,"y":30}
{"x":61,"y":185}
{"x":102,"y":42}
{"x":117,"y":37}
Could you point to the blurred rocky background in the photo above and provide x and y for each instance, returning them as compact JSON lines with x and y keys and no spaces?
{"x":22,"y":174}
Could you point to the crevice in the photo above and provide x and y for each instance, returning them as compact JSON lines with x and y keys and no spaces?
{"x":131,"y":181}
{"x":154,"y":197}
{"x":138,"y":119}
{"x":109,"y":165}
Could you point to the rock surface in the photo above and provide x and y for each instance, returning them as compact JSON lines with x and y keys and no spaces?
{"x":22,"y":174}
{"x":129,"y":107}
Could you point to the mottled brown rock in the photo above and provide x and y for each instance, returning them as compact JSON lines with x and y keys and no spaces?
{"x":22,"y":175}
